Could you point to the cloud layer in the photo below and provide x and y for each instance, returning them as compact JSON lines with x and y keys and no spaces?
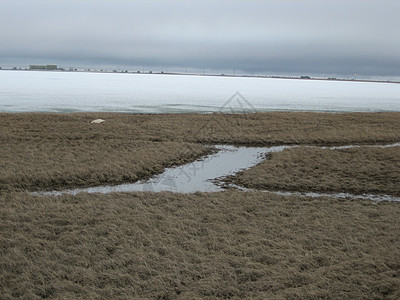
{"x":271,"y":36}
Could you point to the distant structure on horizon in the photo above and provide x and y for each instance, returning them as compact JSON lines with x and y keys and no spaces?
{"x":43,"y":67}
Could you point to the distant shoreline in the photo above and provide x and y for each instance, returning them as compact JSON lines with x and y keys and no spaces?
{"x":306,"y":77}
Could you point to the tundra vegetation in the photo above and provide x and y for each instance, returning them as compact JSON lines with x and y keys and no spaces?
{"x":230,"y":244}
{"x":363,"y":170}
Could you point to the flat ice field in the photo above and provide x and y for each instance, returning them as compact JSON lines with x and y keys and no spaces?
{"x":30,"y":91}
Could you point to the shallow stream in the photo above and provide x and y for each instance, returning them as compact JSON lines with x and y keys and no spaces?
{"x":198,"y":176}
{"x":203,"y":175}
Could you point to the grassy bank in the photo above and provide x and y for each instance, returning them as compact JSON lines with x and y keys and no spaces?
{"x":38,"y":165}
{"x":46,"y":151}
{"x":197,"y":246}
{"x":356,"y":170}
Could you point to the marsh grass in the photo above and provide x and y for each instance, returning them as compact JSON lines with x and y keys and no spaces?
{"x":54,"y":151}
{"x":194,"y":246}
{"x":253,"y":129}
{"x":356,"y":170}
{"x":205,"y":246}
{"x":61,"y":164}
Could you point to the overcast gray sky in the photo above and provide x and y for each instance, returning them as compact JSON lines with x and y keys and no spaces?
{"x":250,"y":36}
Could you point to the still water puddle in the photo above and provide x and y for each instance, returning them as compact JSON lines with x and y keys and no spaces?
{"x":198,"y":176}
{"x":202,"y":175}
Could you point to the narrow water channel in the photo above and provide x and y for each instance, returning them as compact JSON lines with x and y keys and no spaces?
{"x":197,"y":176}
{"x":201,"y":175}
{"x":375,"y":198}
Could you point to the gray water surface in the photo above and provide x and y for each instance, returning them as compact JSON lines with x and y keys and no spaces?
{"x":198,"y":176}
{"x":31,"y":91}
{"x":202,"y":175}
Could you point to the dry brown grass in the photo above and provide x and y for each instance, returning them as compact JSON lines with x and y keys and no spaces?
{"x":255,"y":129}
{"x":355,"y":170}
{"x":37,"y":165}
{"x":43,"y":151}
{"x":197,"y":246}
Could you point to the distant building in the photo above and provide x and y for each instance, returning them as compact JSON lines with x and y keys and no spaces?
{"x":305,"y":77}
{"x":42,"y":67}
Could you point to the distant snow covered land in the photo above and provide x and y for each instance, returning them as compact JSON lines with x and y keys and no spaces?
{"x":31,"y":91}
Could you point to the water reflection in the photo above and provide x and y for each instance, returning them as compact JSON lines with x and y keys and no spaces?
{"x":201,"y":175}
{"x":193,"y":177}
